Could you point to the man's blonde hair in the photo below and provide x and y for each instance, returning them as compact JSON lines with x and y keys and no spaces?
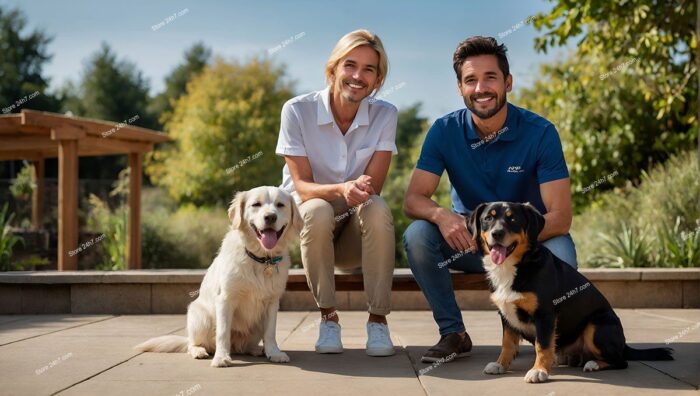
{"x":351,"y":41}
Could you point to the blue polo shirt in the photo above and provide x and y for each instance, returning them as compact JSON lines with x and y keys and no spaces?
{"x":525,"y":153}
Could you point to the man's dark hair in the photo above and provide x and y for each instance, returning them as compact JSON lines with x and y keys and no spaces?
{"x":480,"y":45}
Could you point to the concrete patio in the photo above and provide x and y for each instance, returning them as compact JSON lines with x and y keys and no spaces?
{"x":92,"y":355}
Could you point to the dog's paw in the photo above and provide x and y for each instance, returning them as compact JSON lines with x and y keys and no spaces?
{"x":256,"y":351}
{"x":221,"y":361}
{"x":278,"y":357}
{"x":494,"y":368}
{"x":536,"y":375}
{"x":198,"y":352}
{"x":591,"y":366}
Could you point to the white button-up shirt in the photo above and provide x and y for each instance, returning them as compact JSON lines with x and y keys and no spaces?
{"x":308,"y":129}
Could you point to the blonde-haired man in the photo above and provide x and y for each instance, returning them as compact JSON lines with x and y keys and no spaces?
{"x":337,"y":147}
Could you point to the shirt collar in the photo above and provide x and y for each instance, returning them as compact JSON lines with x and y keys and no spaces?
{"x":325,"y":115}
{"x":508,"y":134}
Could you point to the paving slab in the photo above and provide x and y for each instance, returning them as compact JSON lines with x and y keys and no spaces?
{"x":14,"y":328}
{"x":12,"y":318}
{"x":93,"y":355}
{"x":675,"y":328}
{"x":59,"y":359}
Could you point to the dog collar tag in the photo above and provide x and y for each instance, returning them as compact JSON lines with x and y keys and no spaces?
{"x":268,"y":270}
{"x":276,"y":259}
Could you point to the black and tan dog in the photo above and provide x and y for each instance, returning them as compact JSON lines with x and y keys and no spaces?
{"x":545,"y":301}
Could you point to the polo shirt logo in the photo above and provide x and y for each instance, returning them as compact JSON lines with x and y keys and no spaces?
{"x":515,"y":169}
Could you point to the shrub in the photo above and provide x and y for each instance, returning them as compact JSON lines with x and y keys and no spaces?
{"x":184,"y":237}
{"x":7,"y":239}
{"x":653,"y":224}
{"x":678,"y":248}
{"x":112,"y":223}
{"x":23,"y":185}
{"x":628,"y":248}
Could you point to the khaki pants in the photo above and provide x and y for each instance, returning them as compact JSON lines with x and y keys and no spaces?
{"x":359,"y":237}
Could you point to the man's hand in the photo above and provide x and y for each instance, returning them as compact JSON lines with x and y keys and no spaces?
{"x":364,"y":183}
{"x":357,"y":192}
{"x":418,"y":205}
{"x":454,"y":229}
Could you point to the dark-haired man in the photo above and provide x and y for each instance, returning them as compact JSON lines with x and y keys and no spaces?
{"x":492,"y":151}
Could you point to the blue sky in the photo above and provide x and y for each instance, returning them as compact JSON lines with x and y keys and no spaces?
{"x":419,"y":36}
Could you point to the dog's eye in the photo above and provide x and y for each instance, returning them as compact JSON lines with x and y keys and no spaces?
{"x":488,"y":218}
{"x":280,"y":205}
{"x":256,"y":205}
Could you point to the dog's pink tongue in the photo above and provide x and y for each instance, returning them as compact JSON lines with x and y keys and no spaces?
{"x":498,"y":254}
{"x":268,"y":238}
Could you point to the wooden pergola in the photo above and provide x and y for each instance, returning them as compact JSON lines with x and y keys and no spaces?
{"x":35,"y":135}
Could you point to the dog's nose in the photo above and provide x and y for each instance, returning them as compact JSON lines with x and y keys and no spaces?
{"x":498,"y":234}
{"x":270,"y":218}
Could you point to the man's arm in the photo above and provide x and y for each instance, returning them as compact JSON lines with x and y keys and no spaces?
{"x":303,"y":178}
{"x":556,"y":196}
{"x":419,"y":205}
{"x":377,"y":169}
{"x":354,"y":192}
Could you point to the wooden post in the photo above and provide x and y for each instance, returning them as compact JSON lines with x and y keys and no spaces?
{"x":134,"y":236}
{"x":67,"y":205}
{"x":38,"y":193}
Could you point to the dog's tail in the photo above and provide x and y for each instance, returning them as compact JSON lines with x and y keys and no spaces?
{"x":648,"y":354}
{"x":168,"y":343}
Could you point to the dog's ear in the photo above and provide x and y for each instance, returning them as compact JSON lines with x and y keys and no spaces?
{"x":535,"y":222}
{"x":235,"y":211}
{"x":474,"y":225}
{"x":297,"y":220}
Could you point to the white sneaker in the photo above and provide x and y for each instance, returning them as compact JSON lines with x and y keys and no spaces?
{"x":329,"y":338}
{"x":378,"y":340}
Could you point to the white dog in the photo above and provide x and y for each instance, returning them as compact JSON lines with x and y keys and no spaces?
{"x":239,"y":296}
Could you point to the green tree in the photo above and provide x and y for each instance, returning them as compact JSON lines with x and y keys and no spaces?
{"x":660,"y":35}
{"x":22,"y":58}
{"x":196,"y":58}
{"x":225,"y":130}
{"x":626,"y":98}
{"x":607,"y":126}
{"x":113,"y":90}
{"x":409,"y":127}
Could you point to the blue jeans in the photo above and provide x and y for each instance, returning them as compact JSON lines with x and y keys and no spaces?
{"x":428,"y":255}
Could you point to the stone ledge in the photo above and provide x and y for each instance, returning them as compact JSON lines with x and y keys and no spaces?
{"x":170,"y":291}
{"x":612,"y":274}
{"x":131,"y":276}
{"x":683,"y":274}
{"x":196,"y":275}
